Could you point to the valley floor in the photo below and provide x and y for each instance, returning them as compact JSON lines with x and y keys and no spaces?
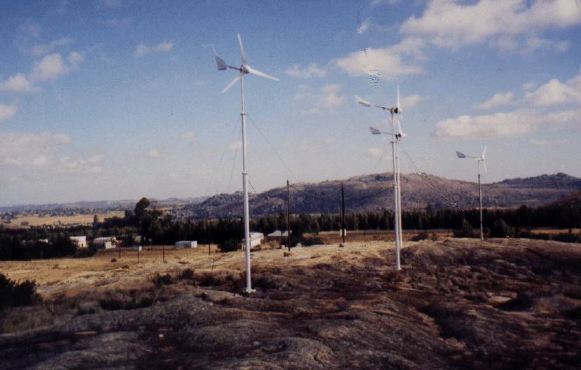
{"x":457,"y":303}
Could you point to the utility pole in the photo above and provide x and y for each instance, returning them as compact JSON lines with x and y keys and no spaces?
{"x":288,"y":233}
{"x":480,"y":202}
{"x":343,"y":213}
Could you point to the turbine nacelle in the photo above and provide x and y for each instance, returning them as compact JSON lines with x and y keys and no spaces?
{"x":394,"y":112}
{"x":244,"y":68}
{"x":480,"y":159}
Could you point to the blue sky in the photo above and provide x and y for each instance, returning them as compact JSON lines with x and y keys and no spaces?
{"x":118,"y":99}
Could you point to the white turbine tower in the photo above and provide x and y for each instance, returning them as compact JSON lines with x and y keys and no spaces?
{"x":396,"y":135}
{"x":481,"y":160}
{"x":243,"y":70}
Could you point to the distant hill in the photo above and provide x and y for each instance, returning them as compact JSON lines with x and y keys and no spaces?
{"x":101,"y":205}
{"x":374,"y":193}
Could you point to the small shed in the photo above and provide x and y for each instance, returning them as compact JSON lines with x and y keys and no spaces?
{"x":105,"y":242}
{"x":255,"y":240}
{"x":79,"y":241}
{"x":187,"y":244}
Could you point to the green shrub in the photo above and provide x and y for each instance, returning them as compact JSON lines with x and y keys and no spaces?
{"x":229,"y":245}
{"x":159,"y":280}
{"x":465,"y":231}
{"x":500,"y":229}
{"x":315,"y":240}
{"x":17,"y":294}
{"x":420,"y":236}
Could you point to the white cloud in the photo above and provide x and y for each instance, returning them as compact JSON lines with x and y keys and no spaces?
{"x":235,"y":145}
{"x":514,"y":123}
{"x":364,"y":26}
{"x":387,"y":63}
{"x":411,"y":101}
{"x":42,"y":49}
{"x":497,"y":100}
{"x":53,"y":66}
{"x":142,"y":49}
{"x":452,"y":24}
{"x":540,"y":106}
{"x":17,"y":83}
{"x":374,"y":153}
{"x":30,"y":149}
{"x":311,"y":71}
{"x":154,"y":153}
{"x":7,"y":111}
{"x":188,"y":136}
{"x":555,"y":93}
{"x":50,"y":67}
{"x":91,"y":165}
{"x":330,"y":97}
{"x":537,"y":43}
{"x":323,"y":99}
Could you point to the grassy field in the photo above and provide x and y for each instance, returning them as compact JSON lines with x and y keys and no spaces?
{"x":80,"y":219}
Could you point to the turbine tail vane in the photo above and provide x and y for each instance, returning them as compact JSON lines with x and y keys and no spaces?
{"x":220,"y":64}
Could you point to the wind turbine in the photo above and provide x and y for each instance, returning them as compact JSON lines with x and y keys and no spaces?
{"x":481,"y":160}
{"x":396,"y":134}
{"x":243,"y":70}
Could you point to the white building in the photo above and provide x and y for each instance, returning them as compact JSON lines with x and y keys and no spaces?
{"x":255,"y":240}
{"x":105,"y":242}
{"x":79,"y":241}
{"x":187,"y":244}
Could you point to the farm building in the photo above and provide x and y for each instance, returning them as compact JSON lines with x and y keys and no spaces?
{"x":278,"y":234}
{"x":105,"y":242}
{"x":186,"y":244}
{"x":255,"y":239}
{"x":79,"y":241}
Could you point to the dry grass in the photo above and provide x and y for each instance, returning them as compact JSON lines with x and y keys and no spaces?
{"x":79,"y":219}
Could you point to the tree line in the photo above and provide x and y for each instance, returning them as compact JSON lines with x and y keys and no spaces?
{"x":155,"y":227}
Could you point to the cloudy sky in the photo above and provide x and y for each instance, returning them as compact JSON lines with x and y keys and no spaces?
{"x":118,"y":99}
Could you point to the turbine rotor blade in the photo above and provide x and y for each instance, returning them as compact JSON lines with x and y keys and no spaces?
{"x":397,"y":102}
{"x":374,"y":131}
{"x":484,"y":153}
{"x":260,"y":74}
{"x":484,"y":165}
{"x":362,"y":101}
{"x":229,"y":86}
{"x":242,"y":52}
{"x":460,"y":155}
{"x":220,"y":64}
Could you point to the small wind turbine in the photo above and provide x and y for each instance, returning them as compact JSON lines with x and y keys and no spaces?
{"x":243,"y":70}
{"x":481,"y":160}
{"x":396,"y":135}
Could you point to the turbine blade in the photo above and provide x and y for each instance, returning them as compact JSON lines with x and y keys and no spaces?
{"x":397,"y":103}
{"x":231,"y":84}
{"x":460,"y":155}
{"x":242,"y":52}
{"x":260,"y":74}
{"x":362,"y":101}
{"x":484,"y":165}
{"x":374,"y":131}
{"x":220,"y":64}
{"x":484,"y":153}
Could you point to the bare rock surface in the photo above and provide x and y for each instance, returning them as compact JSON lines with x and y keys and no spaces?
{"x":457,"y":304}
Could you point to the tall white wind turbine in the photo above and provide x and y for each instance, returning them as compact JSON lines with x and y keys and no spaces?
{"x":481,"y":160}
{"x":243,"y":70}
{"x":396,"y":134}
